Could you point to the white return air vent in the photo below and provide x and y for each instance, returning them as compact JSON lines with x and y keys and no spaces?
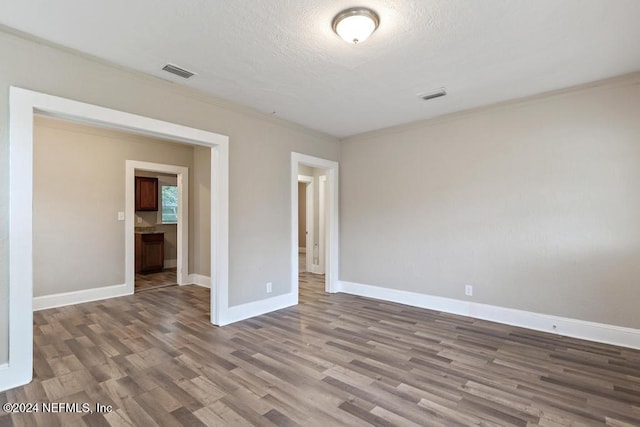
{"x":437,"y":93}
{"x":178,"y":71}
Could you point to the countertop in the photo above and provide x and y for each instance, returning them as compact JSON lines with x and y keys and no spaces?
{"x":147,"y":230}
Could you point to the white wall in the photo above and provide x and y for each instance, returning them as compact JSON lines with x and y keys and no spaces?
{"x":535,"y":203}
{"x":260,"y":153}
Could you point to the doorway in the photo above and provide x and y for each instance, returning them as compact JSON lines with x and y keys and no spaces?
{"x":160,"y":240}
{"x":320,"y":179}
{"x":305,"y":222}
{"x":23,"y":104}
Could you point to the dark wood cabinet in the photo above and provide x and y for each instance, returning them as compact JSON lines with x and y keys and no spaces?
{"x":149,"y":252}
{"x":146,"y":193}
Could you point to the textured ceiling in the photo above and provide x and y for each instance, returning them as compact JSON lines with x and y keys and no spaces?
{"x":281,"y":55}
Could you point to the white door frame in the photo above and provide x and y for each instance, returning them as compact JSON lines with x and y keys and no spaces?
{"x":22,"y":106}
{"x":322,"y":194}
{"x":332,"y":249}
{"x":182,"y":174}
{"x":310,"y":236}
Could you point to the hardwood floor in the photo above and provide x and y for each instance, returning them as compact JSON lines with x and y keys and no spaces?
{"x":302,"y":262}
{"x":333,"y":360}
{"x":166,"y":277}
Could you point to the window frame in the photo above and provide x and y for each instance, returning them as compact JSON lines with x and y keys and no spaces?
{"x":161,"y":184}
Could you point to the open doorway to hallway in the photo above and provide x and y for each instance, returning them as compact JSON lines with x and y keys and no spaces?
{"x":305,"y":220}
{"x":314,"y":223}
{"x":311,"y":218}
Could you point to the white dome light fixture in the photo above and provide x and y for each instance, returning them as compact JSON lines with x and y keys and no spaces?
{"x":355,"y":25}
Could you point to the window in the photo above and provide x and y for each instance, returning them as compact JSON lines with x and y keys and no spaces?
{"x":169,"y":202}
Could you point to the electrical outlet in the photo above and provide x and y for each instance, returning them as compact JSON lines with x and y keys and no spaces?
{"x":139,"y":220}
{"x":468,"y":290}
{"x":269,"y":287}
{"x":120,"y":216}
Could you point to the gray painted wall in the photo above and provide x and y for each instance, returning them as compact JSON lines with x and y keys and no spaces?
{"x":200,"y":213}
{"x":260,"y":155}
{"x":535,"y":203}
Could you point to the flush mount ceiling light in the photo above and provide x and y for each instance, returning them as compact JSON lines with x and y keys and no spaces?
{"x":355,"y":25}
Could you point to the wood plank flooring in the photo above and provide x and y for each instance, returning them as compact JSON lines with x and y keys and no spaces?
{"x":334,"y":360}
{"x":166,"y":277}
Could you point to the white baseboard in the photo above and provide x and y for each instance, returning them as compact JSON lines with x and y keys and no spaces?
{"x":315,"y":269}
{"x":77,"y":297}
{"x":4,"y":366}
{"x":256,"y":308}
{"x":591,"y":331}
{"x":170,"y":263}
{"x":200,"y":280}
{"x":250,"y":309}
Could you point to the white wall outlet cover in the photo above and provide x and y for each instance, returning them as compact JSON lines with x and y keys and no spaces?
{"x":120,"y":216}
{"x":269,"y":287}
{"x":468,"y":290}
{"x":139,"y":220}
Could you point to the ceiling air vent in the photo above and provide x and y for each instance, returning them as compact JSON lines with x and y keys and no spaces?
{"x":433,"y":94}
{"x":174,"y":69}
